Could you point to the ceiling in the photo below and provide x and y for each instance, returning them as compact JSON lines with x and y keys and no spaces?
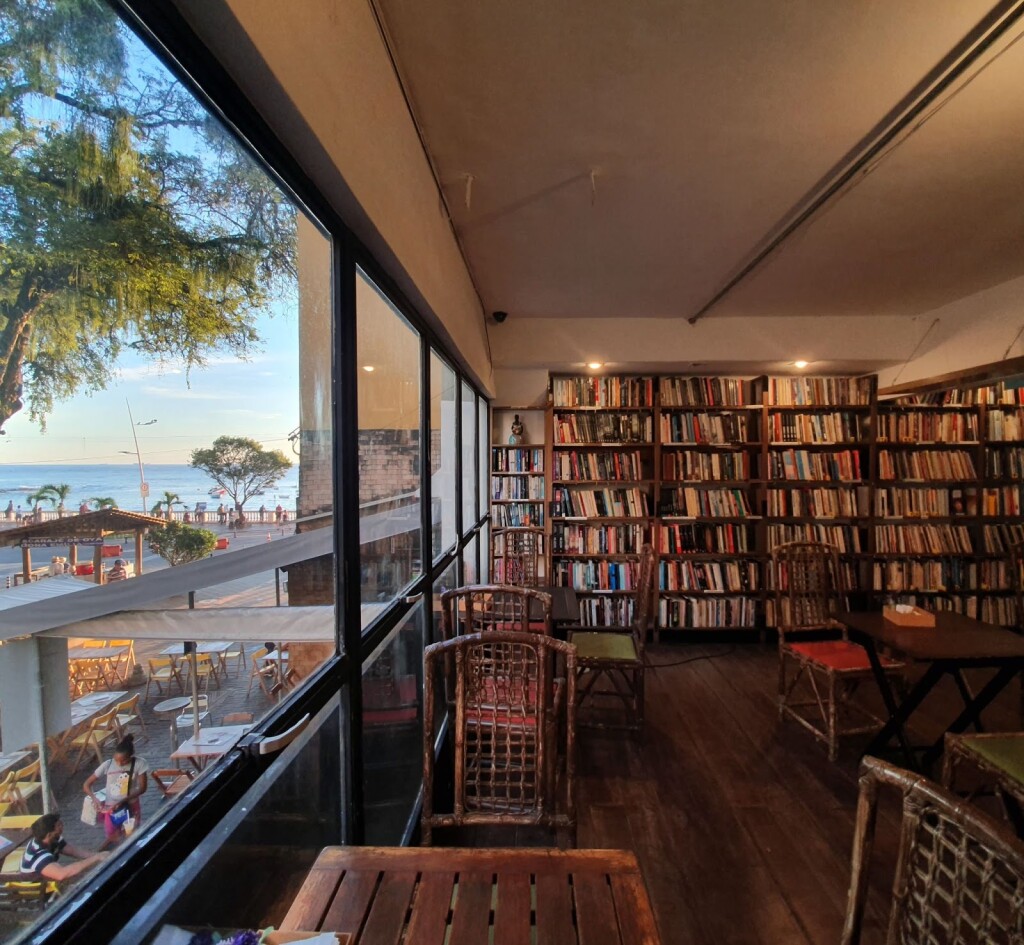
{"x":602,"y":158}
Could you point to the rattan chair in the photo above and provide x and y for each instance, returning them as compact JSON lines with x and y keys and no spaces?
{"x":959,"y":874}
{"x":818,"y":694}
{"x":482,"y":608}
{"x":505,"y":764}
{"x":615,"y":656}
{"x":997,"y":761}
{"x":521,"y":555}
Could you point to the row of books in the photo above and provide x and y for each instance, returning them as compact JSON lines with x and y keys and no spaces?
{"x":606,"y":611}
{"x":607,"y":464}
{"x":680,"y":539}
{"x":841,"y":466}
{"x":712,"y":576}
{"x":846,"y":577}
{"x":1004,"y":463}
{"x":504,"y":460}
{"x":705,"y":391}
{"x":683,"y":465}
{"x":603,"y":428}
{"x":894,"y":502}
{"x":603,"y":391}
{"x":596,"y":575}
{"x":994,"y":394}
{"x":504,"y":488}
{"x":923,"y":539}
{"x":997,"y":610}
{"x":695,"y":428}
{"x":813,"y":391}
{"x":1003,"y":501}
{"x":619,"y":539}
{"x":925,"y":465}
{"x":821,"y":503}
{"x":923,"y":427}
{"x":1005,"y":424}
{"x":707,"y":612}
{"x":999,"y":539}
{"x":815,"y":427}
{"x":515,"y":516}
{"x":705,"y":503}
{"x":945,"y":574}
{"x":599,"y":503}
{"x":845,"y":537}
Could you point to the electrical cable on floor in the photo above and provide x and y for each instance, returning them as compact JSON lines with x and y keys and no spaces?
{"x":678,"y":662}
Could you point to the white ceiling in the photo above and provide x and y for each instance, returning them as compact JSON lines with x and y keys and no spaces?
{"x":705,"y":123}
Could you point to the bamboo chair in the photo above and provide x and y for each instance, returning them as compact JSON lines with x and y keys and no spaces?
{"x":163,"y":670}
{"x":615,"y":655}
{"x":520,"y":554}
{"x":101,"y":730}
{"x":959,"y":873}
{"x":998,"y":758}
{"x":809,"y":589}
{"x":503,"y":760}
{"x":128,"y":713}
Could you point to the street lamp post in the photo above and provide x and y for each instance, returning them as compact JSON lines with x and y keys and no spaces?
{"x":143,"y":485}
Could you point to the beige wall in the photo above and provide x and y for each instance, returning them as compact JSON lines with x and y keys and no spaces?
{"x":350,"y":129}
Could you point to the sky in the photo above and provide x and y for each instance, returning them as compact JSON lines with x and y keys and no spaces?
{"x":258,"y":398}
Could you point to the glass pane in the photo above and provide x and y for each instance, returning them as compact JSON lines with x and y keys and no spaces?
{"x":470,"y":570}
{"x":248,"y":871}
{"x":443,"y":391}
{"x":485,"y":553}
{"x":188,"y":379}
{"x":393,"y":731}
{"x":484,"y":457}
{"x":389,"y":445}
{"x":445,"y":582}
{"x":469,"y":456}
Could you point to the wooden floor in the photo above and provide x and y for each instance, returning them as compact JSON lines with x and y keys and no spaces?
{"x":743,"y":828}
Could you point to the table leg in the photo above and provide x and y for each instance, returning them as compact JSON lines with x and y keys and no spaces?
{"x":966,"y":694}
{"x":972,"y":711}
{"x":898,"y":715}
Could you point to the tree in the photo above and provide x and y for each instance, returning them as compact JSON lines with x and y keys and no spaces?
{"x":178,"y":544}
{"x":103,"y":502}
{"x":241,"y":466}
{"x":128,"y":218}
{"x":167,"y":503}
{"x":55,"y":495}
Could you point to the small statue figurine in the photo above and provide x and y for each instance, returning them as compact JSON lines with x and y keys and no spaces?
{"x":517,"y":432}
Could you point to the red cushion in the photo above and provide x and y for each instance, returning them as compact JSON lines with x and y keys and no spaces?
{"x":836,"y":654}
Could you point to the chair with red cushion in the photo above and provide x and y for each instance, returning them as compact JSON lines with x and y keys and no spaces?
{"x":818,"y":693}
{"x":506,"y":749}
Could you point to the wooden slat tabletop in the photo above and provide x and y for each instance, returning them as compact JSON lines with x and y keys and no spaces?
{"x":421,"y":895}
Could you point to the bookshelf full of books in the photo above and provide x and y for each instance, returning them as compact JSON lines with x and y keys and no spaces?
{"x":602,"y":489}
{"x":518,"y":477}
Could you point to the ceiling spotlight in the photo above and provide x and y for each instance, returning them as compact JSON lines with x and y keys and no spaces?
{"x":801,"y":364}
{"x":595,"y":365}
{"x":369,"y":368}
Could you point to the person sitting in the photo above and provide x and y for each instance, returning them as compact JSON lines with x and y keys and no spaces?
{"x":42,"y":855}
{"x":125,"y":776}
{"x":118,"y":572}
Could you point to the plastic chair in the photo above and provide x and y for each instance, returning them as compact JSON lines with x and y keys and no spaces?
{"x":809,"y":589}
{"x":615,"y":655}
{"x":959,"y":873}
{"x":163,"y":670}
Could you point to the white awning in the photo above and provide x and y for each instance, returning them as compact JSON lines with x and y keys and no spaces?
{"x":44,"y":589}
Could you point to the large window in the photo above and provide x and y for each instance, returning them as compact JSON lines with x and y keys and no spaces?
{"x":469,"y":458}
{"x":443,"y":453}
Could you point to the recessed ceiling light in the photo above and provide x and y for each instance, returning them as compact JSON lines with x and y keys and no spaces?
{"x":595,"y":365}
{"x":369,"y":368}
{"x":800,"y":364}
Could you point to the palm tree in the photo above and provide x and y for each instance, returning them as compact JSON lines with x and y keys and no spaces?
{"x":103,"y":502}
{"x":168,"y":502}
{"x":34,"y":498}
{"x":55,"y":495}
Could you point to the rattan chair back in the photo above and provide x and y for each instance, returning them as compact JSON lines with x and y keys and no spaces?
{"x":483,"y":608}
{"x":809,"y":586}
{"x":504,"y":700}
{"x":521,"y":555}
{"x":959,"y":875}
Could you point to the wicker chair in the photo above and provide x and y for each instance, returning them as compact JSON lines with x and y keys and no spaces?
{"x":521,"y":555}
{"x":482,"y":608}
{"x":616,"y":655}
{"x":809,"y":589}
{"x":505,"y":761}
{"x":959,"y":876}
{"x":998,"y":758}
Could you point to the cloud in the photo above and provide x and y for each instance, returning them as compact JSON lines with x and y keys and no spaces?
{"x":140,"y":371}
{"x":178,"y":393}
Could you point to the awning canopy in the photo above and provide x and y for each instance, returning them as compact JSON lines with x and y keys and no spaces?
{"x":35,"y":591}
{"x":87,"y":525}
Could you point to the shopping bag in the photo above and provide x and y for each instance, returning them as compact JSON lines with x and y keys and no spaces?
{"x":88,"y":811}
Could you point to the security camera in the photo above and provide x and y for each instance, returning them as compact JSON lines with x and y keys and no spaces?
{"x":499,"y":317}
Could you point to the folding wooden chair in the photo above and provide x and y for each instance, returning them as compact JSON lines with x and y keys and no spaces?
{"x":262,"y":672}
{"x":29,"y":782}
{"x":237,"y":653}
{"x":128,"y":713}
{"x":205,"y":669}
{"x":171,"y":782}
{"x":11,"y":801}
{"x":163,"y":670}
{"x":237,"y":718}
{"x":101,"y":730}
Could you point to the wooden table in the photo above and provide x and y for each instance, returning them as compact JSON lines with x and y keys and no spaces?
{"x":391,"y":894}
{"x":216,"y":648}
{"x":954,"y":644}
{"x":109,"y":659}
{"x":213,"y":742}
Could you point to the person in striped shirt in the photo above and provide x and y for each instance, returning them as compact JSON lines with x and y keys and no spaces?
{"x":42,"y":855}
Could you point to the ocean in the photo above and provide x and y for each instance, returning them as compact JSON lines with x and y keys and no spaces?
{"x":121,"y":483}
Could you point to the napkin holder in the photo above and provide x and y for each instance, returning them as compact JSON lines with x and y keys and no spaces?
{"x":903,"y":615}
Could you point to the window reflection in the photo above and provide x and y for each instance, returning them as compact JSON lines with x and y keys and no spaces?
{"x":469,"y":458}
{"x":443,"y":390}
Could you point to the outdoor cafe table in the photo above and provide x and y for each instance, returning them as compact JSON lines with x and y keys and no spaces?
{"x":83,"y":710}
{"x":954,"y":644}
{"x":109,"y":656}
{"x":212,"y":743}
{"x":518,"y":896}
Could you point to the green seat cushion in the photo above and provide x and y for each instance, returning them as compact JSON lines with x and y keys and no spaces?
{"x":1005,"y":752}
{"x":604,"y":646}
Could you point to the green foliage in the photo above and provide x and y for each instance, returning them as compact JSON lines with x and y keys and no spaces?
{"x":178,"y":544}
{"x":103,"y":502}
{"x":54,"y":494}
{"x":241,"y":466}
{"x":128,"y":218}
{"x":167,"y":504}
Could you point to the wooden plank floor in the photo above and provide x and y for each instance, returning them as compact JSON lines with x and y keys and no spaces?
{"x":743,"y":828}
